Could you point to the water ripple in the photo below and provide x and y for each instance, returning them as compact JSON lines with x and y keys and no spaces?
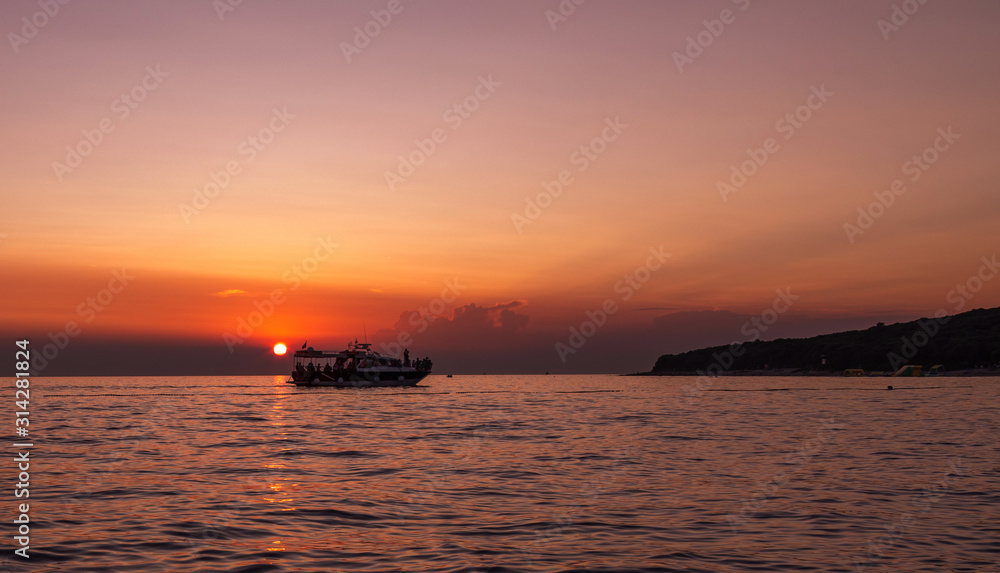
{"x":508,"y":473}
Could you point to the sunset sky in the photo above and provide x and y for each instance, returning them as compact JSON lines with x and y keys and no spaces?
{"x":168,"y":166}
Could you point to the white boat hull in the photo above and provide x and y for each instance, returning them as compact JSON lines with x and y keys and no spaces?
{"x":372,"y":378}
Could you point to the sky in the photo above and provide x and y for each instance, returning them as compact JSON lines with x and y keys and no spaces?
{"x":504,"y":186}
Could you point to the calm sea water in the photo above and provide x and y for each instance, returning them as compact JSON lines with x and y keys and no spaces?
{"x":513,"y":473}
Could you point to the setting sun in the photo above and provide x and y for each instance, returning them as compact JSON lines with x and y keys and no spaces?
{"x":280,"y":349}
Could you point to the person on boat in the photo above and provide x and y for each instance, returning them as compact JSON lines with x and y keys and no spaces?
{"x":406,"y":357}
{"x":327,"y":369}
{"x":311,"y":369}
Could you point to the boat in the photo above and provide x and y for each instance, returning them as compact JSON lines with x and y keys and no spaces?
{"x":359,"y":366}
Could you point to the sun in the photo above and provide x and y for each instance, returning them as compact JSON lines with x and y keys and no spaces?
{"x":280,"y":349}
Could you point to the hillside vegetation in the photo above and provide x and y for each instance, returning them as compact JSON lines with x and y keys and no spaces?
{"x":967,"y":340}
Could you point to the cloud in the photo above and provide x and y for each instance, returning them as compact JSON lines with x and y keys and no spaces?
{"x":465,"y":324}
{"x":499,"y":316}
{"x":229,"y":292}
{"x":472,"y":339}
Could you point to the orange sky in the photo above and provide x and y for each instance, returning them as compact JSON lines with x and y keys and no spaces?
{"x":309,"y":137}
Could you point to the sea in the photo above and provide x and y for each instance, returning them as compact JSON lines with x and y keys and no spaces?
{"x":508,"y":473}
